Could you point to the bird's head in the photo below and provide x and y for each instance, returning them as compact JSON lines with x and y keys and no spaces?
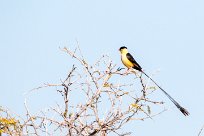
{"x":123,"y":49}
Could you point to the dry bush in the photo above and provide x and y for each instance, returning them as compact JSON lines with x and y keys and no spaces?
{"x":98,"y":99}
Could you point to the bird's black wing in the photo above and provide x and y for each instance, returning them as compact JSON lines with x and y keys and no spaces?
{"x":131,"y":59}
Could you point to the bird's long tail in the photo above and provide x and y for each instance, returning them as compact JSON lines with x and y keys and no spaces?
{"x":183,"y":110}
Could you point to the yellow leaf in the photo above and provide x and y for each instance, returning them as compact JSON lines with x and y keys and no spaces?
{"x":134,"y":105}
{"x":106,"y":85}
{"x":6,"y":121}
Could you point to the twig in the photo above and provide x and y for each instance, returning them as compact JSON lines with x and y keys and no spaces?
{"x":199,"y":134}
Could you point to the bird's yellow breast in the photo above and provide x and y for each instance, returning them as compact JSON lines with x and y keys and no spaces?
{"x":126,"y":62}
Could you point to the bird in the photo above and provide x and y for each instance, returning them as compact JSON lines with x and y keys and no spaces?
{"x":128,"y":60}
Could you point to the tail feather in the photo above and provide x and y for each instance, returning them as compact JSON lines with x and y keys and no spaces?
{"x":183,"y":110}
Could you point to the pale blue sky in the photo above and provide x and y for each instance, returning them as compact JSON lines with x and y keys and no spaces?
{"x":166,"y":35}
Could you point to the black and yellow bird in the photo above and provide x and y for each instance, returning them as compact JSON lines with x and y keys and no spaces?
{"x":128,"y":60}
